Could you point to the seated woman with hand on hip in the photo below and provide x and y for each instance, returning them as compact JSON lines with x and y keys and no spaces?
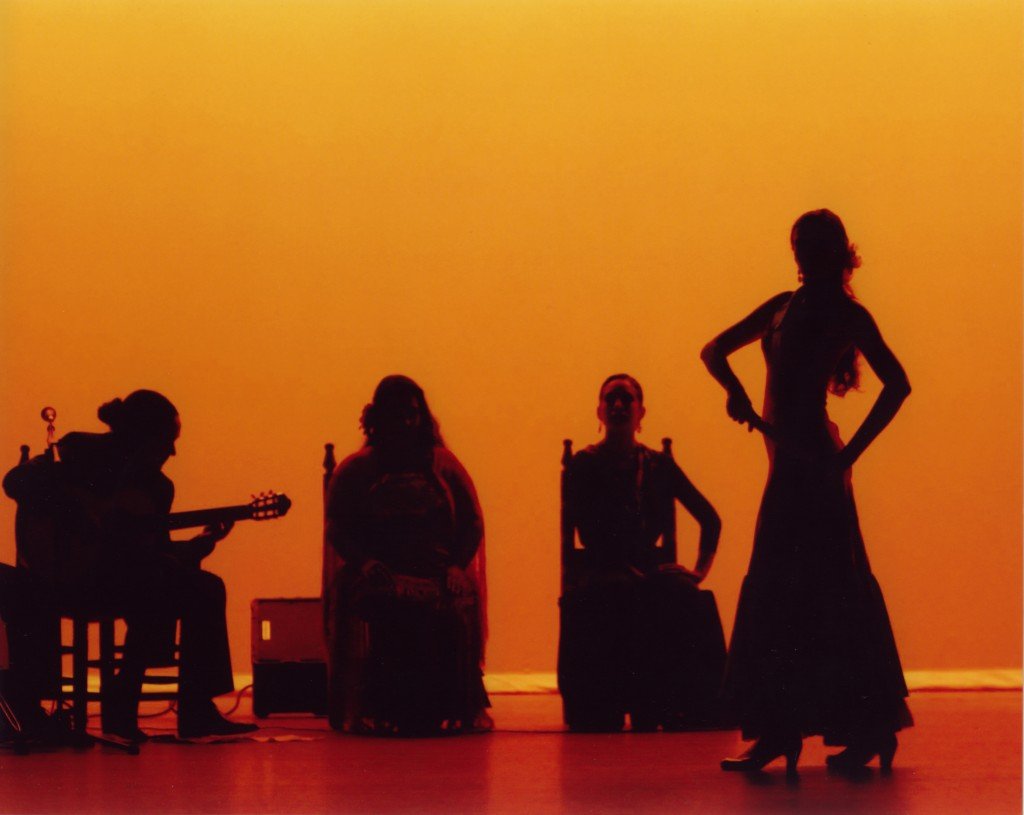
{"x":637,"y":635}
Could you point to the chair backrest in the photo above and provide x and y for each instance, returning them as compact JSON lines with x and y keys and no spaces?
{"x":574,"y":557}
{"x":33,"y":485}
{"x":329,"y":464}
{"x":331,"y":561}
{"x":667,"y":544}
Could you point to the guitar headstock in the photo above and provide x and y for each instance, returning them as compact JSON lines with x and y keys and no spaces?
{"x":269,"y":505}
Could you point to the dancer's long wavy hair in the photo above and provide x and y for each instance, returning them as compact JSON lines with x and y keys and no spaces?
{"x":826,"y":258}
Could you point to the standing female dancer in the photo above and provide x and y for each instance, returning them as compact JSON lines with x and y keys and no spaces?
{"x":812,"y":649}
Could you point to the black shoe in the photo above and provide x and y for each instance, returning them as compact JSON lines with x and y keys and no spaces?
{"x":765,"y":750}
{"x":126,"y":728}
{"x":198,"y":720}
{"x":857,"y":755}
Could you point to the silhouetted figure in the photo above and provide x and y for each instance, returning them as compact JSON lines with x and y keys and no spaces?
{"x":637,"y":635}
{"x":812,"y":650}
{"x":33,"y":635}
{"x":33,"y":639}
{"x":406,"y":608}
{"x":89,"y":531}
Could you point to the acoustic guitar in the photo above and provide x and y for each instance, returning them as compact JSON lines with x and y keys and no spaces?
{"x":60,"y":547}
{"x":262,"y":507}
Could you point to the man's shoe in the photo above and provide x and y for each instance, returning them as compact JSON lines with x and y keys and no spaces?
{"x":198,"y":720}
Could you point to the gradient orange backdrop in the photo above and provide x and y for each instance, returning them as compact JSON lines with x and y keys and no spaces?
{"x":262,"y":208}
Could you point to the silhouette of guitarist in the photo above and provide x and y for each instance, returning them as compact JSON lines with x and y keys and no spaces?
{"x":110,"y":554}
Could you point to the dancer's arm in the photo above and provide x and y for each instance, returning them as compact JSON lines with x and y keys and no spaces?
{"x":895,"y":385}
{"x":715,"y":357}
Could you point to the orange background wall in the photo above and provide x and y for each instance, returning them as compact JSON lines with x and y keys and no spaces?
{"x":262,"y":208}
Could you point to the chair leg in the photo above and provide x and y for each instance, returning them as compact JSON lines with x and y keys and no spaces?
{"x":80,"y":675}
{"x":80,"y":682}
{"x":107,"y":659}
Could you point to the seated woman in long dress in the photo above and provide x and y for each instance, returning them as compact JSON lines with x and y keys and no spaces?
{"x":637,"y":635}
{"x":406,"y":614}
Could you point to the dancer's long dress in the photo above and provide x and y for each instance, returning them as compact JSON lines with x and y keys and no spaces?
{"x":812,"y":647}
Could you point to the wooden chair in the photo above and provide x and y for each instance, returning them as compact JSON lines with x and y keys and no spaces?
{"x":72,"y":689}
{"x":706,"y":647}
{"x":75,"y":687}
{"x":70,"y":692}
{"x":574,"y":556}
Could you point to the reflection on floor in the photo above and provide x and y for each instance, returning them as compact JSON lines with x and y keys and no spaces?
{"x":964,"y":755}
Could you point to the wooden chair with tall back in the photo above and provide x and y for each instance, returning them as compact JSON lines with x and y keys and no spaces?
{"x":693,"y":655}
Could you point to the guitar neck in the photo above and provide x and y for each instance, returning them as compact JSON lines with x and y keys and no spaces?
{"x":205,"y":517}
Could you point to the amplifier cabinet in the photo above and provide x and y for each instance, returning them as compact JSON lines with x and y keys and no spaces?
{"x":289,"y":667}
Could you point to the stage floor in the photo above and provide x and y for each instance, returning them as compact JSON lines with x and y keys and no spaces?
{"x":963,"y":756}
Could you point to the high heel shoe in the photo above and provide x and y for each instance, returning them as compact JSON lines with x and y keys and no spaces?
{"x":858,"y":754}
{"x":765,"y":750}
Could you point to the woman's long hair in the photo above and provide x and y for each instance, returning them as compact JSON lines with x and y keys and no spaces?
{"x":826,"y":259}
{"x":393,"y":394}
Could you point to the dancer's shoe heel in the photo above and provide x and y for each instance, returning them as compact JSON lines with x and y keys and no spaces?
{"x":792,"y":756}
{"x":885,"y":755}
{"x":856,"y":757}
{"x":763,"y":753}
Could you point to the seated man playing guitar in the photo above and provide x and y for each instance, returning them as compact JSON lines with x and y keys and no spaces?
{"x":107,"y":550}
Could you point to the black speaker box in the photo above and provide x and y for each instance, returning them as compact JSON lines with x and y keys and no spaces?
{"x":289,"y":668}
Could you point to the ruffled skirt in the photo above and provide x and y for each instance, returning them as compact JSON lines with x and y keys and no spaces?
{"x":812,"y":648}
